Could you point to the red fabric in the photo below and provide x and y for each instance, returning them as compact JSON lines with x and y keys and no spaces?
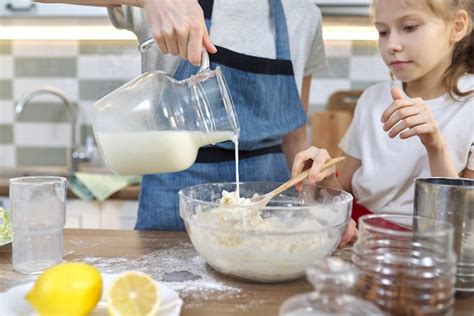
{"x":358,"y":210}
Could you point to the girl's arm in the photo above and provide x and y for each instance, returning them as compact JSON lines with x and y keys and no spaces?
{"x":469,"y":170}
{"x":344,"y":180}
{"x":441,"y":164}
{"x":297,"y":140}
{"x":467,"y":173}
{"x":350,"y":166}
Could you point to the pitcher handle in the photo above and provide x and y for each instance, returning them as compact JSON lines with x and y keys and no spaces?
{"x":204,"y":55}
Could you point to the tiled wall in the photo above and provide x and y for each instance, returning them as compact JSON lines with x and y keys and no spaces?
{"x":88,"y":70}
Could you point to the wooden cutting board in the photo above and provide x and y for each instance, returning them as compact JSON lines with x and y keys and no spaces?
{"x":328,"y":128}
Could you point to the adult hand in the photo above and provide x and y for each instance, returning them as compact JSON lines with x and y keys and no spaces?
{"x":411,"y":117}
{"x":313,"y":158}
{"x":350,"y":234}
{"x":178,"y":28}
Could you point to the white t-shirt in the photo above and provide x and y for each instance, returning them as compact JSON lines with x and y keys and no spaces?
{"x":385,"y":180}
{"x":246,"y":26}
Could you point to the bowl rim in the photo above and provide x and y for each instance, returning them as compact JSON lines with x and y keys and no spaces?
{"x":348,"y":198}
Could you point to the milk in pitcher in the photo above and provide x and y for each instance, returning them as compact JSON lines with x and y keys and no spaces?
{"x":147,"y":152}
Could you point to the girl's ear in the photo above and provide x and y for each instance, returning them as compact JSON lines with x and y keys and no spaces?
{"x":460,"y":26}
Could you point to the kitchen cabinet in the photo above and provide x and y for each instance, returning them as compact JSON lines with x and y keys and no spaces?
{"x":83,"y":214}
{"x":118,"y":214}
{"x":110,"y":214}
{"x":28,"y":8}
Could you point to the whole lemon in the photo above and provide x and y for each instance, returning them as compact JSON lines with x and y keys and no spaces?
{"x":71,"y":288}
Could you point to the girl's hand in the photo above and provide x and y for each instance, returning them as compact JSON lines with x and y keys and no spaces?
{"x":350,"y":234}
{"x":411,"y":117}
{"x":178,"y":28}
{"x":313,"y":158}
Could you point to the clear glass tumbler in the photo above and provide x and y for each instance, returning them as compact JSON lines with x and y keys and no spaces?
{"x":38,"y":207}
{"x":406,"y":264}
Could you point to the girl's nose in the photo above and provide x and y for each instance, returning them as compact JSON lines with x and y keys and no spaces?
{"x":394,"y":44}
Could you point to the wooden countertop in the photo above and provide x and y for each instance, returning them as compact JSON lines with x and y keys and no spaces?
{"x":157,"y":252}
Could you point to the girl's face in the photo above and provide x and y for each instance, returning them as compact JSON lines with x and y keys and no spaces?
{"x":414,"y":44}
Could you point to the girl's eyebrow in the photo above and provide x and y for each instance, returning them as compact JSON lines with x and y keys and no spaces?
{"x":410,"y":17}
{"x":401,"y":19}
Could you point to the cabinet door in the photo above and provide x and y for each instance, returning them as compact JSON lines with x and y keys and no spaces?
{"x":29,"y":8}
{"x":118,"y":214}
{"x":82,"y":214}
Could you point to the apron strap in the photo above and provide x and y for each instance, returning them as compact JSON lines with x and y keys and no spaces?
{"x":216,"y":154}
{"x":282,"y":43}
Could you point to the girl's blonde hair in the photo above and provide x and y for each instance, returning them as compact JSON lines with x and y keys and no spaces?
{"x":463,"y":55}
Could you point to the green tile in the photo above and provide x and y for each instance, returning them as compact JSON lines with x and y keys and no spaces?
{"x":5,"y":89}
{"x":86,"y":131}
{"x":108,"y":47}
{"x":362,"y":84}
{"x":6,"y":134}
{"x":338,"y":67}
{"x":41,"y":156}
{"x":45,"y":67}
{"x":5,"y":47}
{"x":96,"y":89}
{"x":44,"y":112}
{"x":364,"y":48}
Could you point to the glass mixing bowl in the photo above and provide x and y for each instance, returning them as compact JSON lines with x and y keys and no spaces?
{"x":273,"y":244}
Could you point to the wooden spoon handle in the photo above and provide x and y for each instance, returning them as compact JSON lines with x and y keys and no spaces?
{"x":303,"y":175}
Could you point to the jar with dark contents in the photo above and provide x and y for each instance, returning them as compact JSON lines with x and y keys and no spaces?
{"x":406,"y":264}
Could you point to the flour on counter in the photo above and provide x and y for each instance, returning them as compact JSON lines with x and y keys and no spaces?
{"x":158,"y":264}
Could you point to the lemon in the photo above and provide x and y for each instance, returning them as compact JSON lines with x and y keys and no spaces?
{"x":71,"y":289}
{"x":133,"y":294}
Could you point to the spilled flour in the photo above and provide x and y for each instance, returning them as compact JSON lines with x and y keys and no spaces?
{"x":180,"y":267}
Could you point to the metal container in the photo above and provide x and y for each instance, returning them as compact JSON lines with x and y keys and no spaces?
{"x":452,"y":200}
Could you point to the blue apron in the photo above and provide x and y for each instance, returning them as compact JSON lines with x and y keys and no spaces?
{"x":268,"y":107}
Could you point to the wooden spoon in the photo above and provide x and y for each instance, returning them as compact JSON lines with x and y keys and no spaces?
{"x":262,"y":200}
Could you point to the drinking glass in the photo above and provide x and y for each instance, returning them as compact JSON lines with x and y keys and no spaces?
{"x":38,"y":207}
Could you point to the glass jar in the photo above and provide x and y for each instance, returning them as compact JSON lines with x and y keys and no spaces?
{"x":332,"y":279}
{"x":406,"y":264}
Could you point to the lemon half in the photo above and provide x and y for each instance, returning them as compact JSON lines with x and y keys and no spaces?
{"x":133,"y":294}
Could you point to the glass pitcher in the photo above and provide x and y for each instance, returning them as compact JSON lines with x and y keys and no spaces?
{"x":156,"y":124}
